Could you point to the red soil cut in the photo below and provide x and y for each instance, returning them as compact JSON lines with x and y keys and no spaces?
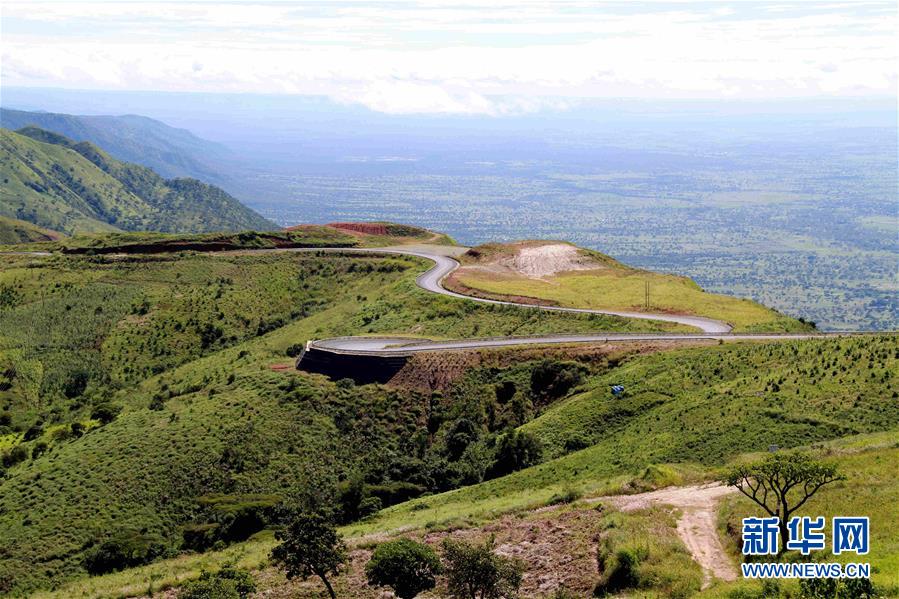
{"x":366,"y":228}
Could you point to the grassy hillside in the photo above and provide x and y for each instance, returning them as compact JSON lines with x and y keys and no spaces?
{"x":169,"y":151}
{"x":13,"y":231}
{"x":183,"y":346}
{"x":150,"y":401}
{"x":53,"y":182}
{"x":495,"y":508}
{"x":594,"y":280}
{"x":701,"y":405}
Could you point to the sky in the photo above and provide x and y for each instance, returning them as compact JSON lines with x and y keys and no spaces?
{"x":463,"y":57}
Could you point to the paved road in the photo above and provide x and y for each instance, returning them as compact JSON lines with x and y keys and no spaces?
{"x":444,"y":264}
{"x":400,"y":346}
{"x":432,"y":280}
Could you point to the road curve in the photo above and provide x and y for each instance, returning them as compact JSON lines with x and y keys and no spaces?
{"x":432,"y":280}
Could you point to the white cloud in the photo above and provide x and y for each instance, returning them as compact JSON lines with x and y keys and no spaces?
{"x":455,"y":57}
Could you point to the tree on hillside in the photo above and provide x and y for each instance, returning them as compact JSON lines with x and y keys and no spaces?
{"x":475,"y":571}
{"x":405,"y":566}
{"x":515,"y":451}
{"x":781,"y":484}
{"x":310,"y":546}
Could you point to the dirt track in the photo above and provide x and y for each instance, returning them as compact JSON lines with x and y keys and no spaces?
{"x":696,"y":526}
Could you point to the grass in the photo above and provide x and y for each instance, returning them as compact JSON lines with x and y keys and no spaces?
{"x":685,"y":407}
{"x":13,"y":231}
{"x":73,"y":187}
{"x":225,"y":422}
{"x":869,"y":461}
{"x":136,"y":331}
{"x":615,"y":286}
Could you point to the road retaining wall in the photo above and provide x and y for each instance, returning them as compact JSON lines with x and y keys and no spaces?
{"x":363,"y":369}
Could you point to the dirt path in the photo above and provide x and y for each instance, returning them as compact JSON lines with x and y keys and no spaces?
{"x":696,"y":526}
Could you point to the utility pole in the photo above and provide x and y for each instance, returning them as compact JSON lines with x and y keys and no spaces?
{"x":646,"y":295}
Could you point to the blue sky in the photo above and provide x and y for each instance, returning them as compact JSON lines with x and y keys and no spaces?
{"x":458,"y":57}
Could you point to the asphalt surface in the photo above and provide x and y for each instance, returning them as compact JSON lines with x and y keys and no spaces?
{"x":444,"y":264}
{"x":432,"y":280}
{"x":400,"y":346}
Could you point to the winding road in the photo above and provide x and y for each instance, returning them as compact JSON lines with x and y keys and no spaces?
{"x":444,"y":264}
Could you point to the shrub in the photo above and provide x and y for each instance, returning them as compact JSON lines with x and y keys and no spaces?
{"x":552,"y":379}
{"x":39,"y":449}
{"x":76,"y":384}
{"x":33,"y":432}
{"x":576,"y":442}
{"x":124,"y":550}
{"x":405,"y":566}
{"x":833,"y":588}
{"x":227,"y":583}
{"x":474,"y":571}
{"x":105,"y":412}
{"x":396,"y":492}
{"x":515,"y":451}
{"x":295,"y":350}
{"x":462,"y":433}
{"x":17,"y":454}
{"x":568,"y":495}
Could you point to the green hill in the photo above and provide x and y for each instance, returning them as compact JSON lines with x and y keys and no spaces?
{"x":150,"y":403}
{"x":54,"y":182}
{"x":169,"y":151}
{"x":19,"y":231}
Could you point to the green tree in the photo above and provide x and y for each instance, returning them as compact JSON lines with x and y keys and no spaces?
{"x":514,"y":451}
{"x":405,"y":566}
{"x":475,"y":571}
{"x":781,"y":484}
{"x":310,"y":546}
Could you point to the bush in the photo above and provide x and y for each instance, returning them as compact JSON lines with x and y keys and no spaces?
{"x":476,"y":571}
{"x":105,"y":412}
{"x":552,"y":379}
{"x":393,"y":493}
{"x":33,"y":432}
{"x":227,"y":583}
{"x":515,"y":451}
{"x":568,"y":495}
{"x":76,"y":384}
{"x":833,"y":588}
{"x":17,"y":454}
{"x":295,"y":350}
{"x":39,"y":449}
{"x":576,"y":442}
{"x":124,"y":550}
{"x":405,"y":566}
{"x":76,"y":429}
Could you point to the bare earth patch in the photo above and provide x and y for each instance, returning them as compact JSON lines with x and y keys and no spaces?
{"x":696,"y":526}
{"x":537,"y":261}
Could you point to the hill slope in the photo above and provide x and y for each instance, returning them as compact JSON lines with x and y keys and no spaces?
{"x":54,"y":182}
{"x":169,"y":151}
{"x":19,"y":231}
{"x":561,"y":274}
